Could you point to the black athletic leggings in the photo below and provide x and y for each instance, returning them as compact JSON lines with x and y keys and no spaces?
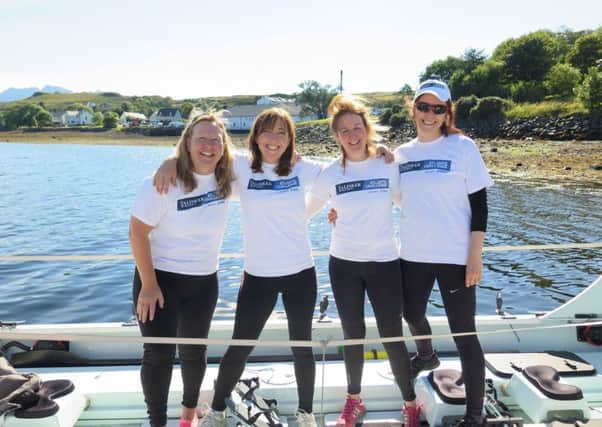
{"x":460,"y":307}
{"x":187,"y":312}
{"x":350,"y":282}
{"x":256,"y":300}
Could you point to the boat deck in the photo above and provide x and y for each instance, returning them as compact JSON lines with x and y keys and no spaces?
{"x":109,"y":396}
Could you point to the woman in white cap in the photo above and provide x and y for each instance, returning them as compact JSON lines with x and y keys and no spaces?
{"x":443,"y":182}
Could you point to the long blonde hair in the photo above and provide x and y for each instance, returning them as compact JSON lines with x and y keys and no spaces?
{"x":223,"y":169}
{"x":343,"y":104}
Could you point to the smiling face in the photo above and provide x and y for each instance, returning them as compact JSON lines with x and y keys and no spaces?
{"x":351,"y":133}
{"x":428,"y":124}
{"x":273,"y":142}
{"x":206,"y":147}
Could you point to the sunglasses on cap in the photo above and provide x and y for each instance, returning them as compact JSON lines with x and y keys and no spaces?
{"x":436,"y":109}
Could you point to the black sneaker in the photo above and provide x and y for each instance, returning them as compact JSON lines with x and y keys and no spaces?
{"x":417,"y":364}
{"x":471,"y":422}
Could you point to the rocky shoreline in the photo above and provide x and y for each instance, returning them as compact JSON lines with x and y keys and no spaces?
{"x":560,"y":161}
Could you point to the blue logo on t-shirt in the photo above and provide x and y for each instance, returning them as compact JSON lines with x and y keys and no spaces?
{"x":423,"y":165}
{"x":367,"y":184}
{"x":196,"y":201}
{"x":278,"y":185}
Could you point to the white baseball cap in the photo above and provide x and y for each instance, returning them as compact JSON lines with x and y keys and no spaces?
{"x":435,"y":87}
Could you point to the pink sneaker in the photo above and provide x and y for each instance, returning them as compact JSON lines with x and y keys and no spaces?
{"x":353,"y":410}
{"x":411,"y":416}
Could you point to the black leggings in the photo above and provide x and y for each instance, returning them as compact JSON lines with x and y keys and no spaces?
{"x":187,"y":312}
{"x":256,"y":300}
{"x":460,"y":307}
{"x":350,"y":282}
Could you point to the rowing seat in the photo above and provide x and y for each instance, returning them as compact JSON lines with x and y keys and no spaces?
{"x":546,"y":378}
{"x":449,"y":385}
{"x":441,"y":394}
{"x":541,"y":395}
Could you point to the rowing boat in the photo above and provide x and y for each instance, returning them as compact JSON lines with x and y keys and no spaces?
{"x":102,"y":360}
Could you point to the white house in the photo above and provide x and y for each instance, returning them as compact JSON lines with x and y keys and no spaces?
{"x":164,"y":116}
{"x":78,"y":118}
{"x":131,"y":119}
{"x":58,"y":118}
{"x":273,"y":100}
{"x":241,"y":117}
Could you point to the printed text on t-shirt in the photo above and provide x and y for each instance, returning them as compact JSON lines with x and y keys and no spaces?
{"x":196,"y":201}
{"x":423,"y":165}
{"x":278,"y":185}
{"x":363,"y":185}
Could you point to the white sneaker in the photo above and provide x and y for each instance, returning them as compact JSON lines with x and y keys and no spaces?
{"x":305,"y":420}
{"x":214,"y":419}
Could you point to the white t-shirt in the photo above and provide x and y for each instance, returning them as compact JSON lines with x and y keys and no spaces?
{"x":362,"y":194}
{"x":188,"y":227}
{"x":275,"y":235}
{"x":436,"y":178}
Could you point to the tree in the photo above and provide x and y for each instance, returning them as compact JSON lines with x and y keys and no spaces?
{"x":586,"y":51}
{"x":186,"y":108}
{"x":443,"y":68}
{"x":562,"y":80}
{"x":484,"y":80}
{"x":528,"y":57}
{"x":315,"y":98}
{"x":77,"y":106}
{"x":590,"y":91}
{"x":28,"y":115}
{"x":98,"y":119}
{"x":110,"y":120}
{"x":473,"y":58}
{"x":126,"y":107}
{"x":406,"y":90}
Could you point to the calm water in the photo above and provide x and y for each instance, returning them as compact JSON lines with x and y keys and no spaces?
{"x":75,"y":200}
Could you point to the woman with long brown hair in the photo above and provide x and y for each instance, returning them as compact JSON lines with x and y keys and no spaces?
{"x":175,"y":240}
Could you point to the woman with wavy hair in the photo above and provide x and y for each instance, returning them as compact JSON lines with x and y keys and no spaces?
{"x":364,"y":260}
{"x":175,"y":240}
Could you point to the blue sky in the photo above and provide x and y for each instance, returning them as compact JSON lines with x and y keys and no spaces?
{"x":190,"y":49}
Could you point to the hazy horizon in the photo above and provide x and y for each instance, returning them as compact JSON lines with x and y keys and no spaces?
{"x":191,"y":49}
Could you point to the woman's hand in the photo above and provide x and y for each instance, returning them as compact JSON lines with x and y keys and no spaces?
{"x":149,"y":298}
{"x":165,"y":175}
{"x":383,"y":151}
{"x":332,"y":216}
{"x":474,"y":269}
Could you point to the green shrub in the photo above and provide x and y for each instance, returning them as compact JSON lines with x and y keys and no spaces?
{"x":527,"y":91}
{"x":590,"y":91}
{"x":561,"y":81}
{"x":399,"y":119}
{"x":464,"y":105}
{"x":489,"y":108}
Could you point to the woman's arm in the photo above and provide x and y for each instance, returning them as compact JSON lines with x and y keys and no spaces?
{"x":478,"y":227}
{"x":150,"y":294}
{"x":313,"y":205}
{"x":165,"y":175}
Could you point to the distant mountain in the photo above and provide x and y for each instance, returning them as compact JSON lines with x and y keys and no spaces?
{"x":14,"y":94}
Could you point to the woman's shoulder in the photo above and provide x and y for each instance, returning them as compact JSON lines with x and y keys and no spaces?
{"x":461,"y":140}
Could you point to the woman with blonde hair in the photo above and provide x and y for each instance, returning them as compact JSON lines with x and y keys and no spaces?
{"x":175,"y":240}
{"x":364,"y":259}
